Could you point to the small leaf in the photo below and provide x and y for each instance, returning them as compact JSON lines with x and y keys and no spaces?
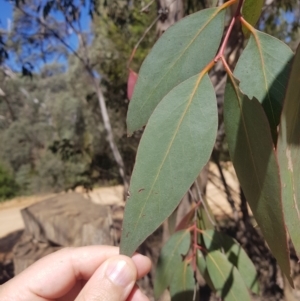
{"x":171,"y":255}
{"x":225,"y":277}
{"x":202,"y":267}
{"x":236,"y":255}
{"x":182,"y":51}
{"x":183,"y":282}
{"x":132,"y":78}
{"x":251,"y":11}
{"x":288,"y":152}
{"x":205,"y":222}
{"x":176,"y":144}
{"x":253,"y":156}
{"x":263,"y":70}
{"x":187,"y":219}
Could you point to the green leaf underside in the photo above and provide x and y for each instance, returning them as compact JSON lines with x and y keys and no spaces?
{"x":253,"y":156}
{"x":251,"y":11}
{"x":182,"y":51}
{"x":225,"y":277}
{"x":202,"y":267}
{"x":183,"y":282}
{"x":263,"y":70}
{"x":236,"y":255}
{"x":288,"y":151}
{"x":175,"y":146}
{"x":171,"y":255}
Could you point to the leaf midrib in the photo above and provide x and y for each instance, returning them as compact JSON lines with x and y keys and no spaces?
{"x":221,"y":273}
{"x":217,"y":11}
{"x":256,"y":37}
{"x":200,"y":77}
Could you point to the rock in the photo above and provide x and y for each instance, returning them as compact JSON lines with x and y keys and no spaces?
{"x":68,"y":220}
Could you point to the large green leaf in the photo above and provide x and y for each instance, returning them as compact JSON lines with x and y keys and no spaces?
{"x":183,"y":282}
{"x":170,"y":256}
{"x":288,"y":151}
{"x":236,"y":255}
{"x":253,"y":156}
{"x":225,"y":277}
{"x":251,"y":11}
{"x":176,"y":144}
{"x":182,"y":51}
{"x":263,"y":70}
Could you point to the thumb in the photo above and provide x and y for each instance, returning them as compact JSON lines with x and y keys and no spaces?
{"x":112,"y":281}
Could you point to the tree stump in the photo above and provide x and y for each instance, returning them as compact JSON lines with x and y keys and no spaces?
{"x":66,"y":220}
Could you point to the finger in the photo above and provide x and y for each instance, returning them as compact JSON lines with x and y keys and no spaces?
{"x":143,"y":266}
{"x":56,"y":274}
{"x":113,"y":281}
{"x":142,"y":263}
{"x":137,"y":295}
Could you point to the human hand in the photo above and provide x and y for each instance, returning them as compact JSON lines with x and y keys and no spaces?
{"x":95,"y":273}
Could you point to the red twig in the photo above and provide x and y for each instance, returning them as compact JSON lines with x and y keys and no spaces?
{"x":236,"y":16}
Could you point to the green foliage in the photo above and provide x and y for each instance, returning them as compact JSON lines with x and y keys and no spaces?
{"x":261,"y":78}
{"x":171,"y":255}
{"x":254,"y":159}
{"x":55,"y":143}
{"x":235,"y":254}
{"x":156,"y":184}
{"x":225,"y":278}
{"x":8,"y":186}
{"x":251,"y":11}
{"x":179,"y":138}
{"x":288,"y":150}
{"x":159,"y":73}
{"x":183,"y":282}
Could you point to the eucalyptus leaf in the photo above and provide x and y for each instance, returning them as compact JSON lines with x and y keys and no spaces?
{"x":263,"y":70}
{"x":205,"y":221}
{"x":202,"y":267}
{"x":251,"y":11}
{"x":288,"y":152}
{"x":253,"y":156}
{"x":226,"y":279}
{"x":182,"y":51}
{"x":171,"y":255}
{"x":176,"y":144}
{"x":215,"y":240}
{"x":183,"y":283}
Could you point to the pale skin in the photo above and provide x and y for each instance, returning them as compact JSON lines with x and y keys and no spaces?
{"x":95,"y":273}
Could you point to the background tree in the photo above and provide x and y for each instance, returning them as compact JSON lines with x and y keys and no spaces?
{"x":39,"y":24}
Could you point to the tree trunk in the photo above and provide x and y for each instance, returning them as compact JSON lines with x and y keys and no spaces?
{"x":170,"y":11}
{"x":109,"y":133}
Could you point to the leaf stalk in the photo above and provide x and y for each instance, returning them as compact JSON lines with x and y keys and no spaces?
{"x":236,"y":16}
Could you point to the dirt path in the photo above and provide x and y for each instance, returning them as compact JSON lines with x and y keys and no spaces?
{"x":10,"y":212}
